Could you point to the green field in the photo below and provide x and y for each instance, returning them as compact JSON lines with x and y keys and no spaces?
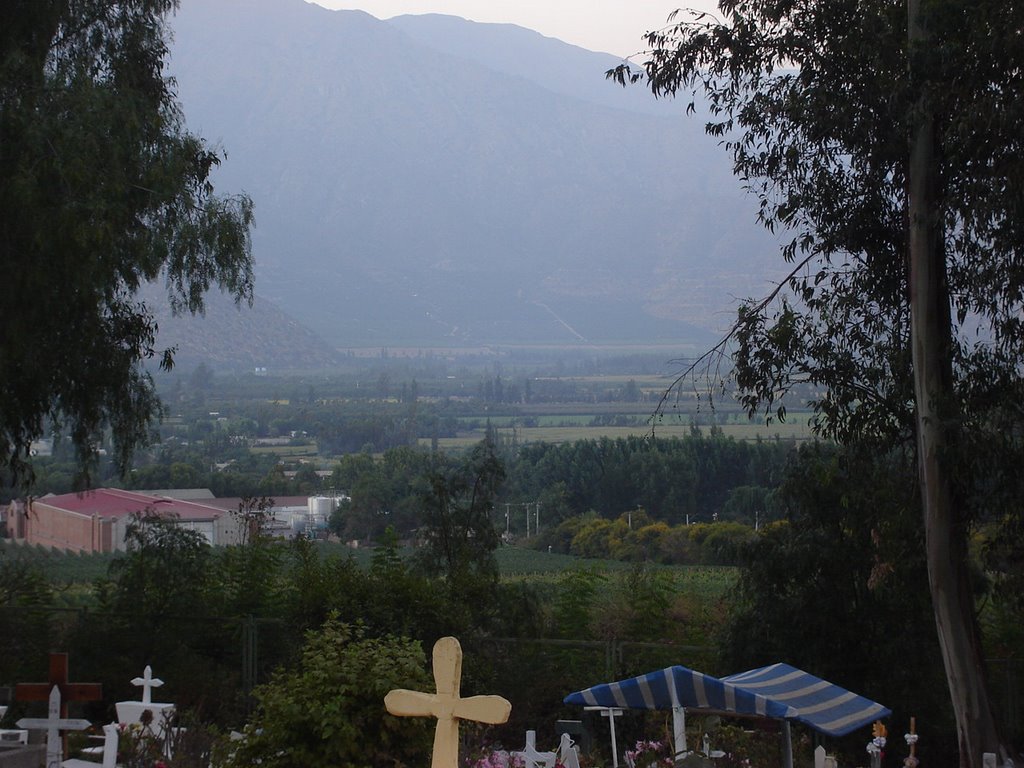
{"x":65,"y":569}
{"x":791,"y":430}
{"x":62,"y":568}
{"x":285,"y":450}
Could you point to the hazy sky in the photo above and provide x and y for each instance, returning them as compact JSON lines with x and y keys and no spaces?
{"x":610,"y":26}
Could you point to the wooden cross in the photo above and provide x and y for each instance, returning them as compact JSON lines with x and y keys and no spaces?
{"x":59,"y":677}
{"x":53,"y":724}
{"x":148,"y":683}
{"x":447,"y":705}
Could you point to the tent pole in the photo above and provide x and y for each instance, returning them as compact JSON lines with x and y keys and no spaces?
{"x":615,"y":747}
{"x":678,"y":731}
{"x":787,"y":745}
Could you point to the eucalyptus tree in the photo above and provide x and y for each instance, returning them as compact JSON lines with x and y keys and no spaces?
{"x":890,"y":155}
{"x":458,"y":529}
{"x":102,"y":190}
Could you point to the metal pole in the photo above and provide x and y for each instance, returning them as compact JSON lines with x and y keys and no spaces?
{"x":678,"y":731}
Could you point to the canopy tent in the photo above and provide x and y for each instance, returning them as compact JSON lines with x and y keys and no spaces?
{"x":676,"y":688}
{"x":819,"y":704}
{"x":778,"y":691}
{"x":679,"y":687}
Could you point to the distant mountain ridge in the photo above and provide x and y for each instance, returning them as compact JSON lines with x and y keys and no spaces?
{"x":414,"y":185}
{"x":237,"y":337}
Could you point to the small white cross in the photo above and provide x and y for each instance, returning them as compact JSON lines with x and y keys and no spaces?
{"x":148,"y":683}
{"x":532,"y":758}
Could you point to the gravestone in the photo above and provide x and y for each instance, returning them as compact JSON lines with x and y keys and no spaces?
{"x":447,"y":705}
{"x":132,"y":711}
{"x":59,"y":677}
{"x":531,"y":757}
{"x":579,"y":732}
{"x":148,"y":683}
{"x":108,"y":751}
{"x":69,"y":691}
{"x":53,"y":724}
{"x":568,"y":756}
{"x":22,"y":755}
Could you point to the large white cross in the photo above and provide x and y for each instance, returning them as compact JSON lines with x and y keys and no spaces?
{"x":148,"y":683}
{"x":447,"y":705}
{"x":53,"y":724}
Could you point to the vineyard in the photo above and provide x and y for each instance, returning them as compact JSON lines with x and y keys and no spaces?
{"x":696,"y":595}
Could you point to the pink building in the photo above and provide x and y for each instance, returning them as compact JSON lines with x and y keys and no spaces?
{"x":95,"y":521}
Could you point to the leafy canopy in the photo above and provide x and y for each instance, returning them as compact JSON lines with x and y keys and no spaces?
{"x":103,"y":189}
{"x":815,"y":105}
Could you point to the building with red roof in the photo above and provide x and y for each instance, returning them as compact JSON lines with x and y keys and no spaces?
{"x":95,"y":521}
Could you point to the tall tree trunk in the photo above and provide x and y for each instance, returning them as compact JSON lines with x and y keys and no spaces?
{"x":937,"y":429}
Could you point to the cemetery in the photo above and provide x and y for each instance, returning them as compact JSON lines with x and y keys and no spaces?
{"x":150,"y":730}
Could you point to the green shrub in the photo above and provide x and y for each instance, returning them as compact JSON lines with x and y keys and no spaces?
{"x":330,"y":710}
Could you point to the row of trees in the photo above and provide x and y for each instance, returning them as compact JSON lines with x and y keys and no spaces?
{"x":675,"y":481}
{"x":634,"y":537}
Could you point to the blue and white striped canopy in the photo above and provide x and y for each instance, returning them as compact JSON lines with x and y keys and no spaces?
{"x":679,"y":687}
{"x":822,"y":705}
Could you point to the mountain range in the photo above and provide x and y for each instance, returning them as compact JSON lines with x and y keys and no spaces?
{"x":430,"y":181}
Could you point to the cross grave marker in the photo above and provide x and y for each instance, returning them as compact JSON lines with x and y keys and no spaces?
{"x":59,"y":677}
{"x":446,"y":704}
{"x":53,"y":724}
{"x":148,"y":683}
{"x":69,"y":691}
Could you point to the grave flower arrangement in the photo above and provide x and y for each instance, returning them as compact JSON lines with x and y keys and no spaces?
{"x":499,"y":758}
{"x":649,"y":754}
{"x":140,"y":746}
{"x":496,"y":758}
{"x":151,"y":745}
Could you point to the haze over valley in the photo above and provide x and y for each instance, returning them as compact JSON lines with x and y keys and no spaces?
{"x":433,"y":182}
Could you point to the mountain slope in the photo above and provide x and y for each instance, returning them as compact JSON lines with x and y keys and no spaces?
{"x":414,"y":193}
{"x":239,"y":337}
